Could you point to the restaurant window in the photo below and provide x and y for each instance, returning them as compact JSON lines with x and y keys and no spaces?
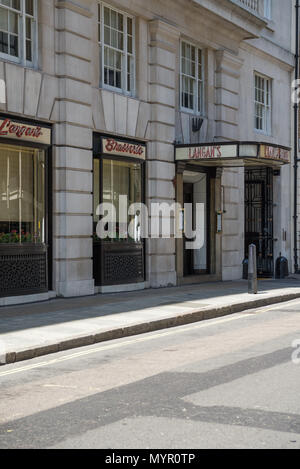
{"x":18,"y":31}
{"x":116,"y":36}
{"x":119,"y":222}
{"x":120,"y":178}
{"x":22,"y":196}
{"x":192,"y":79}
{"x":262,"y":104}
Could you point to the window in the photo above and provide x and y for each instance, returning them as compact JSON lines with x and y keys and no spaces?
{"x":18,"y":30}
{"x":119,"y":179}
{"x":22,"y":195}
{"x":192,"y":78}
{"x":262,"y":104}
{"x":268,"y":9}
{"x":117,"y":53}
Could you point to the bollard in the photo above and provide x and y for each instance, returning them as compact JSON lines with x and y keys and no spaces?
{"x":252,"y":271}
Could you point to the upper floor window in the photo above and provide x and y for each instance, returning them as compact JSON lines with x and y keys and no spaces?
{"x":192,"y":79}
{"x":116,"y":37}
{"x":18,"y":31}
{"x":268,"y":9}
{"x":262,"y":104}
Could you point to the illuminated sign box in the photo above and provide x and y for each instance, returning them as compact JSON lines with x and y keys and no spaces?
{"x":235,"y":154}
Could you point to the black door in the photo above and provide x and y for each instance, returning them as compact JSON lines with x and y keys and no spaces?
{"x":259,"y":217}
{"x":188,"y":263}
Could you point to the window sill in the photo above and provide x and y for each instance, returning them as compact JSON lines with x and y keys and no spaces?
{"x":192,"y":113}
{"x":11,"y":61}
{"x":117,"y":91}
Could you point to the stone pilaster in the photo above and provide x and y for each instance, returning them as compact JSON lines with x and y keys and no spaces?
{"x":228,"y":68}
{"x":233,"y":239}
{"x":73,"y":157}
{"x":161,"y":133}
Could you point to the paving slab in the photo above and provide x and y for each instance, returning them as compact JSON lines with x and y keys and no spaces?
{"x":31,"y":330}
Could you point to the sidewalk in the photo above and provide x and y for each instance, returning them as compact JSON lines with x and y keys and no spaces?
{"x":34,"y":330}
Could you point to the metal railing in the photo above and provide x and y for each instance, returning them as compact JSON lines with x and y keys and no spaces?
{"x":251,"y":5}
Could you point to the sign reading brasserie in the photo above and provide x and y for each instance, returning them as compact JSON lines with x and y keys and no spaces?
{"x":24,"y":132}
{"x":110,"y":146}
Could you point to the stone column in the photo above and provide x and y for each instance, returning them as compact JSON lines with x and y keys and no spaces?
{"x":73,"y":157}
{"x":164,"y":43}
{"x":228,"y":68}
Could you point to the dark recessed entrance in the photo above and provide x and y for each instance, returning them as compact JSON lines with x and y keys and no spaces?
{"x":259,"y":217}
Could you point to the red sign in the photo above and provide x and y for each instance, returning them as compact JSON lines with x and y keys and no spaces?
{"x":210,"y":152}
{"x":11,"y":129}
{"x":116,"y":147}
{"x":275,"y":153}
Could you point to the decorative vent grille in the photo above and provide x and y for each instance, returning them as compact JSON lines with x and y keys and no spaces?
{"x":23,"y":273}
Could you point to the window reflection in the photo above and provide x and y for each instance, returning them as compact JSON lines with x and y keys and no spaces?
{"x":22,"y":195}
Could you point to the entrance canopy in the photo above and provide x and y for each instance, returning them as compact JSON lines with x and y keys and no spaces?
{"x":234,"y":154}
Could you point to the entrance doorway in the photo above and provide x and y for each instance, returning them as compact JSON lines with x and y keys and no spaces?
{"x":195,"y":191}
{"x":259,"y":218}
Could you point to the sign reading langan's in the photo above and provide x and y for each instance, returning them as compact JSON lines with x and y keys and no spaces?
{"x":275,"y":153}
{"x":210,"y":152}
{"x":245,"y":152}
{"x":24,"y":132}
{"x":111,"y":146}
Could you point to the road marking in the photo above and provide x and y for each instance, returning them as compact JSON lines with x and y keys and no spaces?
{"x":125,"y":343}
{"x":275,"y":308}
{"x":105,"y":348}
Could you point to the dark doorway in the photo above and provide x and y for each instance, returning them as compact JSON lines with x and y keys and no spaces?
{"x":196,"y":189}
{"x":259,"y":218}
{"x":188,"y":264}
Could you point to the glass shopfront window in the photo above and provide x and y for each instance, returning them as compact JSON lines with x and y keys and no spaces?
{"x":119,"y":179}
{"x":22,"y":195}
{"x":118,"y":251}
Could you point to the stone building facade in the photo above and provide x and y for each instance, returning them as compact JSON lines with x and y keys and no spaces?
{"x":163,"y":76}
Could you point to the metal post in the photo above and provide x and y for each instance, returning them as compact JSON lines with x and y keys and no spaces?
{"x":252,"y":271}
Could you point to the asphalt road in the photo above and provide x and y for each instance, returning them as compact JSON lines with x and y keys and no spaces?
{"x":232,"y":382}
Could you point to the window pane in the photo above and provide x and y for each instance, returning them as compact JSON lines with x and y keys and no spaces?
{"x":129,"y":26}
{"x":14,"y":47}
{"x":113,"y":16}
{"x":3,"y":20}
{"x":107,"y":36}
{"x":106,"y":16}
{"x":13,"y":23}
{"x":29,"y":51}
{"x":123,"y":179}
{"x":28,"y":28}
{"x":96,"y":197}
{"x":16,"y":4}
{"x":4,"y":43}
{"x":22,"y":195}
{"x":29,"y":7}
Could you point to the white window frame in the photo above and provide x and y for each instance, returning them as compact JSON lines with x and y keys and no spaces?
{"x":268,"y":9}
{"x":197,"y":80}
{"x":125,"y":53}
{"x":21,"y":59}
{"x":267,"y":107}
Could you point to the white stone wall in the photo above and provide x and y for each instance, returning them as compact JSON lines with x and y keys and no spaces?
{"x":65,"y":92}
